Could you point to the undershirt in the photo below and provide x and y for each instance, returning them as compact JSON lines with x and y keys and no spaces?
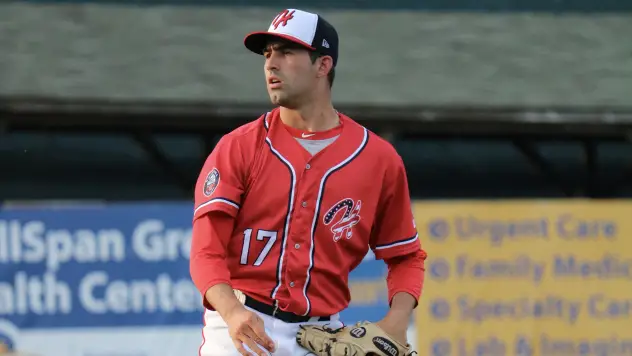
{"x":314,"y":142}
{"x":315,"y":146}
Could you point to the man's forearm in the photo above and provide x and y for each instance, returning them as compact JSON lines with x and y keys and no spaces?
{"x":402,"y":307}
{"x":396,"y":321}
{"x":222,"y":297}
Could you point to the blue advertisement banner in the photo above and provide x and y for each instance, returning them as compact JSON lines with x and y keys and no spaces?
{"x":119,"y":265}
{"x":124,"y":265}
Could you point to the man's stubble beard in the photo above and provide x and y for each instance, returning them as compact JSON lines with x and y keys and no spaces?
{"x":276,"y":98}
{"x":281,"y":99}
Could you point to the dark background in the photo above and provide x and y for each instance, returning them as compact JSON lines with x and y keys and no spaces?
{"x":120,"y":156}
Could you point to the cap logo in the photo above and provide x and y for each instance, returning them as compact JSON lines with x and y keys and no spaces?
{"x":282,"y":18}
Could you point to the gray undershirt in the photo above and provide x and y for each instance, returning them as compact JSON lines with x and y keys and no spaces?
{"x":315,"y":146}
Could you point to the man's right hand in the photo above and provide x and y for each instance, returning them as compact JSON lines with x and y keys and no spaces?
{"x":247,"y":328}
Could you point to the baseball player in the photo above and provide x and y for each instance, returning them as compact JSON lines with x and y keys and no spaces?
{"x":287,"y":205}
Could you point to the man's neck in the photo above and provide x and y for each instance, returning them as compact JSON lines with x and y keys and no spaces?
{"x":311,"y":117}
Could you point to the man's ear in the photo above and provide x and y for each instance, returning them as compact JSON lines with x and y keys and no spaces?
{"x":325,"y":65}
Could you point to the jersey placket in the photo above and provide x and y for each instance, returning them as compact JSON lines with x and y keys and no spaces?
{"x":299,"y":255}
{"x":316,"y":170}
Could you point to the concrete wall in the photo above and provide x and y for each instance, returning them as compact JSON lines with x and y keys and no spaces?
{"x":193,"y":53}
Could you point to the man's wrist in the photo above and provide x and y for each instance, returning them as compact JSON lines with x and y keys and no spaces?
{"x":401,"y":308}
{"x":222,"y":297}
{"x":397,"y":317}
{"x":231,"y":309}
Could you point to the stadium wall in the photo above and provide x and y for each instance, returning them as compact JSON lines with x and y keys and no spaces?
{"x":387,"y":57}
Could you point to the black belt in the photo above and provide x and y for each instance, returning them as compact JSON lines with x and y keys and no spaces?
{"x":285,"y":316}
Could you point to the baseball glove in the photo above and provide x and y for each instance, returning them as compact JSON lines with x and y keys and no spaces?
{"x":362,"y":339}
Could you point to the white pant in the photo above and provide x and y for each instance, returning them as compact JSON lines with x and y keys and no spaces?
{"x":217,"y":342}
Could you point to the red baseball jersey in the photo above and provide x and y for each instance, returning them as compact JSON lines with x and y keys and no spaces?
{"x":303,"y":221}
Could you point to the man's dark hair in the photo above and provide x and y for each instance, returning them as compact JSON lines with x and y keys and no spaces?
{"x":314,"y":55}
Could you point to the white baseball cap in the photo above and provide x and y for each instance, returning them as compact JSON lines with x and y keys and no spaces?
{"x":307,"y":29}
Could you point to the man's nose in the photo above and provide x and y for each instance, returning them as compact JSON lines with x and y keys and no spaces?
{"x":272,"y":63}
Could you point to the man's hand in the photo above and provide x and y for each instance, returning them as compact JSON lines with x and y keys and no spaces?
{"x":247,"y":328}
{"x":244,"y":326}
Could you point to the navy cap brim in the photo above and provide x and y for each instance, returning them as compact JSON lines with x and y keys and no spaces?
{"x":257,"y":41}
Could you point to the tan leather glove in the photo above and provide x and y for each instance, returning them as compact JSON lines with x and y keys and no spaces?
{"x":362,"y":339}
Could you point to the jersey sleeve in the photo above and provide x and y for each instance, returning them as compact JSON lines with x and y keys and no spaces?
{"x":394,"y":233}
{"x":220,"y":184}
{"x":209,"y":244}
{"x":406,"y":274}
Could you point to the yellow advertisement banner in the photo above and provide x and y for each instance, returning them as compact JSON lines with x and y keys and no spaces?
{"x":527,"y":278}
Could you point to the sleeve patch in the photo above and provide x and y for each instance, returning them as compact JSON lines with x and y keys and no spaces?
{"x":211,"y":182}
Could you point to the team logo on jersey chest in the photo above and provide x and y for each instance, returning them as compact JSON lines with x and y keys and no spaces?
{"x":211,"y":182}
{"x":342,"y":224}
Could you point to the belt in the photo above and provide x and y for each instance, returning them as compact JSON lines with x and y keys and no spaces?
{"x":282,"y":315}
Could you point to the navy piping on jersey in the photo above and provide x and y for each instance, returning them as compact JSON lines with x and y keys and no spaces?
{"x":216,"y":200}
{"x":289,"y":209}
{"x":321,"y":190}
{"x":397,"y":243}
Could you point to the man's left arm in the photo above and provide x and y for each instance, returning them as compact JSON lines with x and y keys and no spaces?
{"x":404,"y":282}
{"x":396,"y":241}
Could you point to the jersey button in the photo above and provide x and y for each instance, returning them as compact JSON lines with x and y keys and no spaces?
{"x":308,"y":166}
{"x":297,"y":246}
{"x":304,"y":204}
{"x":291,"y":284}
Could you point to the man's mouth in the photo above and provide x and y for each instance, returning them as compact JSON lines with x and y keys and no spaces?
{"x":274,"y":82}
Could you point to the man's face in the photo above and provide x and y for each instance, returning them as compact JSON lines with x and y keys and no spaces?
{"x":289,"y":72}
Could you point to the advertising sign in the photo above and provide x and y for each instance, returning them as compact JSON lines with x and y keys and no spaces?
{"x":526,"y":278}
{"x":114,"y":280}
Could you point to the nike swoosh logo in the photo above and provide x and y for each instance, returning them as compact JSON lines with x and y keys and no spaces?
{"x":306,"y":136}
